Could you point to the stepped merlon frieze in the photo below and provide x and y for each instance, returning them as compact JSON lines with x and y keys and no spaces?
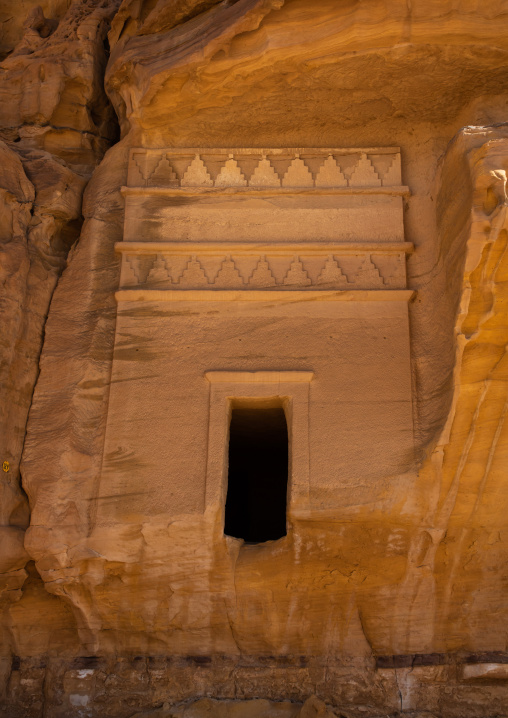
{"x":264,"y":219}
{"x":188,"y":265}
{"x":316,"y":168}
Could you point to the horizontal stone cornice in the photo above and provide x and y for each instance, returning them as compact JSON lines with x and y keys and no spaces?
{"x":246,"y":295}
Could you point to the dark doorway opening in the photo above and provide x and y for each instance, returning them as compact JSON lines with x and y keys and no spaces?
{"x":258,"y":474}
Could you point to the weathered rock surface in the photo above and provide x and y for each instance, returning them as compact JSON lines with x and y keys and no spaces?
{"x":41,"y":208}
{"x":380,"y":595}
{"x":51,"y":88}
{"x":41,"y":220}
{"x":42,"y":17}
{"x":312,"y":708}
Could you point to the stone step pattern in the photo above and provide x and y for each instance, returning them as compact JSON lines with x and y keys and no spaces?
{"x":261,"y":266}
{"x":264,"y":169}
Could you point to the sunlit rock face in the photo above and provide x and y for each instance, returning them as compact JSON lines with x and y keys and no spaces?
{"x":302,"y":209}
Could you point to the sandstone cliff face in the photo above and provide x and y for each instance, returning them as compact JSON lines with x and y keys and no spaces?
{"x":410,"y":565}
{"x":39,"y":222}
{"x":52,"y":148}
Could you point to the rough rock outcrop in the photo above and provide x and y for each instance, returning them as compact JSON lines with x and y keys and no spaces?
{"x":41,"y":212}
{"x":312,"y":708}
{"x":51,"y":86}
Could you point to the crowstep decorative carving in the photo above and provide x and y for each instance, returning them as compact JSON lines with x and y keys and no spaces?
{"x":310,"y":168}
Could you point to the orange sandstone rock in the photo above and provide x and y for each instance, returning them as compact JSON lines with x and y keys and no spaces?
{"x":306,"y":212}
